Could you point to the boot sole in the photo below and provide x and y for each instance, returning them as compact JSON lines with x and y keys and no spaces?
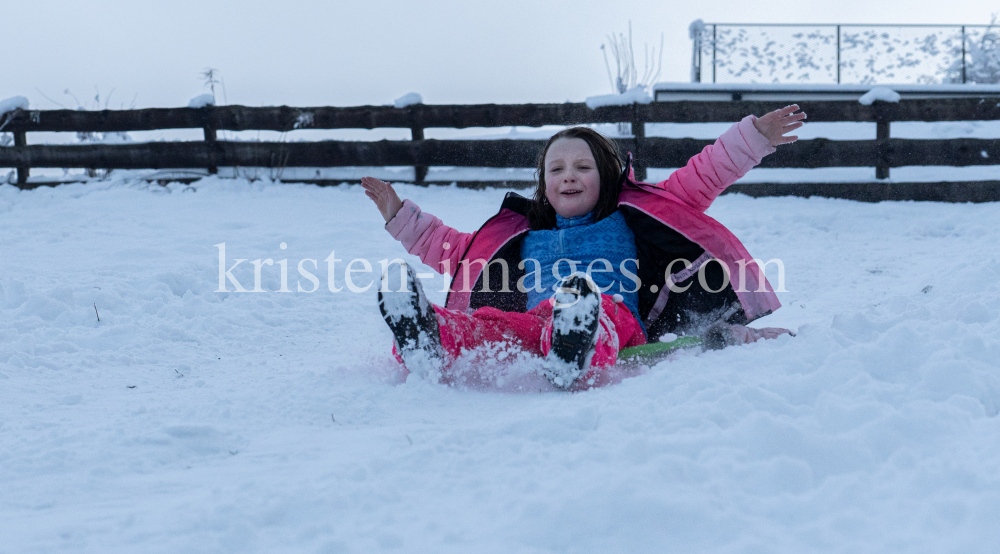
{"x":410,"y":317}
{"x":574,"y":330}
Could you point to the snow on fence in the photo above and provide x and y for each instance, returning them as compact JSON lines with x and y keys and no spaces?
{"x":882,"y":153}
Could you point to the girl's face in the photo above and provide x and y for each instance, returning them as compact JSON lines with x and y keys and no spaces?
{"x":572,"y":182}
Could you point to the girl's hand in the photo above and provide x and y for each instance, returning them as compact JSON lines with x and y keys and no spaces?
{"x":778,"y":123}
{"x":385,"y":198}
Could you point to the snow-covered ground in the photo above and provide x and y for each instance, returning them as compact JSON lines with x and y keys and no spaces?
{"x":187,"y":420}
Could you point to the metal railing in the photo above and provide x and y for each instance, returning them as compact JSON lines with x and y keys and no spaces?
{"x":845,"y":53}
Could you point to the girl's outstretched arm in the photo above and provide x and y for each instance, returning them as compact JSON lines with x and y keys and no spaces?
{"x":422,"y":234}
{"x":735,"y":153}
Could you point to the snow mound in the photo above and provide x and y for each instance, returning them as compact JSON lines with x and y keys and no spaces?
{"x":880,"y":94}
{"x":635,"y":95}
{"x":408,"y":100}
{"x":13,"y":103}
{"x":202,"y":100}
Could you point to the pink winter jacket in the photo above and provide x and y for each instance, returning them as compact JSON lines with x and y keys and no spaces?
{"x":679,"y":202}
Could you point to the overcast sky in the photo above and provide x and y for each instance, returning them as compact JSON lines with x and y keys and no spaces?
{"x":311,"y":52}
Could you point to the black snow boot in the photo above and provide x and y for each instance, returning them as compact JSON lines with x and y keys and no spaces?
{"x":575,"y":322}
{"x":411,"y":318}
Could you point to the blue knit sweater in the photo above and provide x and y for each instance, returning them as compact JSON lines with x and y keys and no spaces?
{"x":576,"y":244}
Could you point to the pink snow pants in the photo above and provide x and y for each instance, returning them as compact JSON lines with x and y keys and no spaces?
{"x":532,"y":332}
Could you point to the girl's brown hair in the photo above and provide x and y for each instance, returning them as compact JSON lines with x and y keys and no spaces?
{"x":609,"y":166}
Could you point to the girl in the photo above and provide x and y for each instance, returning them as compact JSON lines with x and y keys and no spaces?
{"x":655,"y":263}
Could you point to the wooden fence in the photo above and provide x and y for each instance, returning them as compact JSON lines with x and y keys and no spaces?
{"x":882,"y":153}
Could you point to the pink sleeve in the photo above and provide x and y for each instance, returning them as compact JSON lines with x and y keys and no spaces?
{"x":719,"y":165}
{"x":426,"y":236}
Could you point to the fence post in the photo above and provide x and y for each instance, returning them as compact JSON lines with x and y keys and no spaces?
{"x":419,"y":171}
{"x":838,"y":54}
{"x":210,"y":138}
{"x":881,"y":140}
{"x":713,"y":51}
{"x":696,"y":57}
{"x":21,"y":139}
{"x":639,"y":136}
{"x":963,"y":54}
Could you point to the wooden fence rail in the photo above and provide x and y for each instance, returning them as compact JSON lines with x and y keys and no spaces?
{"x":284,"y":118}
{"x":883,"y":153}
{"x":816,"y":153}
